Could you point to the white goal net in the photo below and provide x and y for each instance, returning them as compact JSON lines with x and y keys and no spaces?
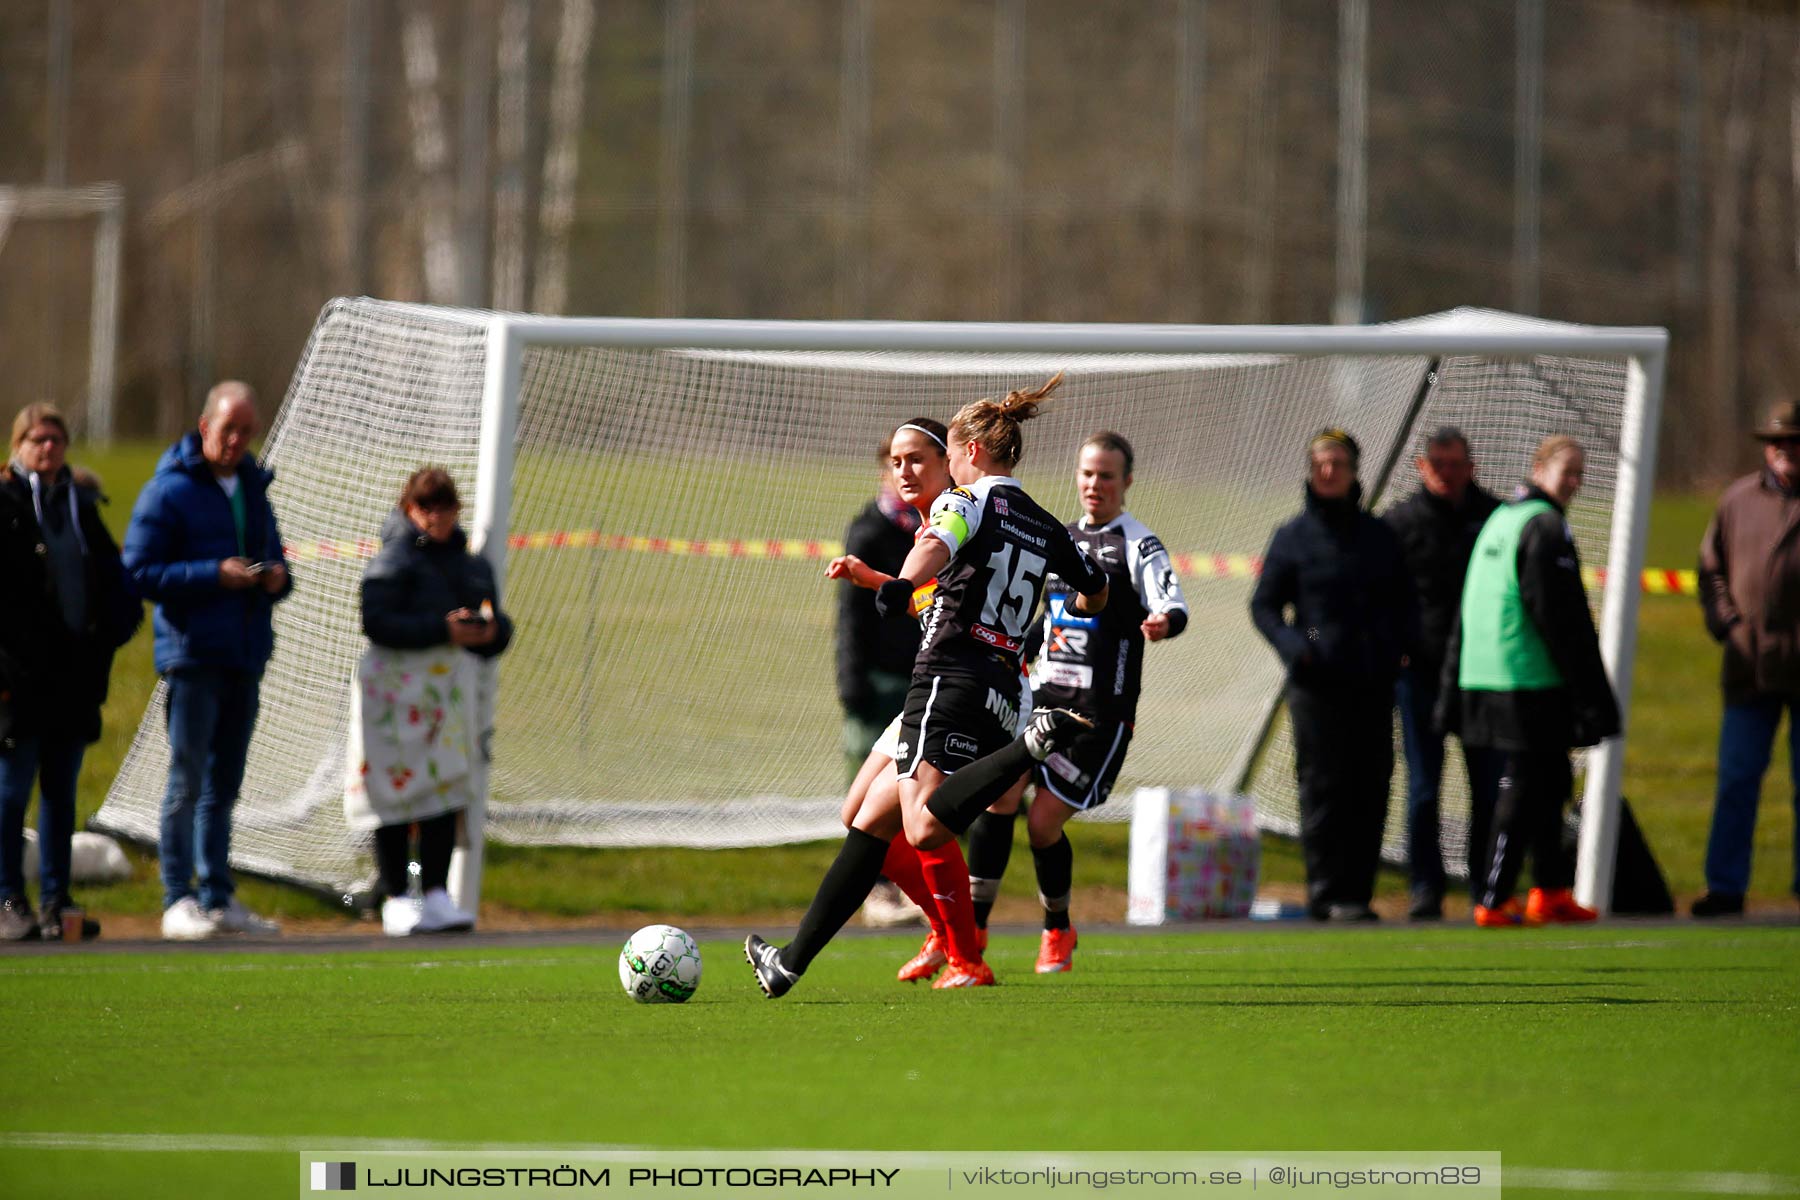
{"x":671,"y":492}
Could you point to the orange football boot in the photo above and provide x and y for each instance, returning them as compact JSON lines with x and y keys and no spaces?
{"x":1558,"y":907}
{"x":962,"y":975}
{"x":1056,"y":951}
{"x":926,"y":963}
{"x":1510,"y":913}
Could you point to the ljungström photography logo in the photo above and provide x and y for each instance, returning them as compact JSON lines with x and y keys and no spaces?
{"x":334,"y":1177}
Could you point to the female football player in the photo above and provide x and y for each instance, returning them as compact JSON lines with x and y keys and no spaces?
{"x":989,"y":547}
{"x":1093,"y":665}
{"x":936,"y":880}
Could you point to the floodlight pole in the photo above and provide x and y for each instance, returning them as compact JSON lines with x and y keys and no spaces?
{"x":1618,"y":621}
{"x":505,"y":370}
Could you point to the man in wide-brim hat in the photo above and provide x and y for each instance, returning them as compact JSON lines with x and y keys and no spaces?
{"x":1750,"y":591}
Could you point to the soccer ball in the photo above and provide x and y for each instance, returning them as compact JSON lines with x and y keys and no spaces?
{"x":660,"y":964}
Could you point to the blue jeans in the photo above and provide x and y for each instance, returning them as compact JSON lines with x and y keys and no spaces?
{"x":1746,"y":742}
{"x":54,"y":763}
{"x":1424,"y":747}
{"x":211,"y":713}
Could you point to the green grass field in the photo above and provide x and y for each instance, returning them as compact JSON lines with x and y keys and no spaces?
{"x":1647,"y":1060}
{"x":1638,"y":1060}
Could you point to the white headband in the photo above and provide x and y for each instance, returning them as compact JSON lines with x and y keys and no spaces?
{"x":921,"y":429}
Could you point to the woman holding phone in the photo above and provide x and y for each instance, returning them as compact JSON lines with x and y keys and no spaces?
{"x":429,"y":608}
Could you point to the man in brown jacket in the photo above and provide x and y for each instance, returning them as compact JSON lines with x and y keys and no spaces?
{"x":1750,"y":591}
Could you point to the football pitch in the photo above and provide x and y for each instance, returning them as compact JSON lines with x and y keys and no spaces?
{"x":1626,"y":1059}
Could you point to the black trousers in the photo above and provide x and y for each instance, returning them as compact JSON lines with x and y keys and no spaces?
{"x":437,"y":841}
{"x":1534,"y":786}
{"x":1344,"y":760}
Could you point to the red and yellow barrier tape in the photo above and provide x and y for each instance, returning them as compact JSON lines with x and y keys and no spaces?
{"x":1653,"y":582}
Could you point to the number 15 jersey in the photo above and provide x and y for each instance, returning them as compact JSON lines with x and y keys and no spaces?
{"x":1003,"y":546}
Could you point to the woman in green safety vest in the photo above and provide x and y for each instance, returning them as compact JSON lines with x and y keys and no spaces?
{"x":1523,"y":675}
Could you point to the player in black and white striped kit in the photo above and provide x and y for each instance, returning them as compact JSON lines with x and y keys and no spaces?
{"x":1093,"y":665}
{"x":991,"y":549}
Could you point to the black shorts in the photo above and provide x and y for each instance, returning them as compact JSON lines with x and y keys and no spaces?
{"x":1082,"y":775}
{"x":952,"y":720}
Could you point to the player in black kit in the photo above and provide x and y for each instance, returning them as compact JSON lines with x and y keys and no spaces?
{"x":1093,"y":665}
{"x":991,"y":549}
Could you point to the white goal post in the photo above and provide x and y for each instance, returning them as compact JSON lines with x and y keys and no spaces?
{"x":658,"y":497}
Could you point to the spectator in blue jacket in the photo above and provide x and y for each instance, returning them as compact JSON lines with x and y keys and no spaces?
{"x":203,"y":546}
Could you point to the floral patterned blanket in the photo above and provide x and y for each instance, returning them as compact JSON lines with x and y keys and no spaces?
{"x":412,"y":744}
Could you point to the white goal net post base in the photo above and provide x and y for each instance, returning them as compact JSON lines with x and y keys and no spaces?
{"x":659,"y":499}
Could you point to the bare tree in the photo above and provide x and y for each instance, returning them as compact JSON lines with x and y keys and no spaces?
{"x":431,"y":154}
{"x":568,"y":83}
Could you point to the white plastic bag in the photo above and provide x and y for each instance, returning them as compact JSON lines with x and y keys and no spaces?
{"x":93,"y":858}
{"x":1194,"y":854}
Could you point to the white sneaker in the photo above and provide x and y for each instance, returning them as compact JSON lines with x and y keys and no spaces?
{"x":438,"y":914}
{"x":186,"y":921}
{"x":235,"y":918}
{"x":399,"y":915}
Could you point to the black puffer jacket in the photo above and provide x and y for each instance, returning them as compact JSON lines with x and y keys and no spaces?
{"x":413,"y":583}
{"x":1582,"y":712}
{"x":881,"y":537}
{"x":1354,"y":610}
{"x":52,"y":677}
{"x":1438,"y":537}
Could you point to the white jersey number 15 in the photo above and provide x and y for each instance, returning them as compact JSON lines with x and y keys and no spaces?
{"x":1012,"y":590}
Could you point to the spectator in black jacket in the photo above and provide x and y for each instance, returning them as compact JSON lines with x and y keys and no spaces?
{"x":430,"y":608}
{"x":1354,"y":615}
{"x":1437,"y":526}
{"x":65,"y":606}
{"x":874,"y":657}
{"x":1524,"y":675}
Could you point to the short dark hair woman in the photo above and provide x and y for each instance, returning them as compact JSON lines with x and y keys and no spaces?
{"x":429,"y":608}
{"x":65,"y":606}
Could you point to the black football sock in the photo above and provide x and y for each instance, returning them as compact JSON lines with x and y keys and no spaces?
{"x":1056,"y":877}
{"x":963,"y":797}
{"x":990,"y":847}
{"x":845,"y":886}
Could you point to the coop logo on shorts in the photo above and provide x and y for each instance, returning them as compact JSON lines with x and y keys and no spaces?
{"x":334,"y":1177}
{"x":958,"y":744}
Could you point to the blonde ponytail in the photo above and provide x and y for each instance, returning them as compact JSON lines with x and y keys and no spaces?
{"x":994,"y":424}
